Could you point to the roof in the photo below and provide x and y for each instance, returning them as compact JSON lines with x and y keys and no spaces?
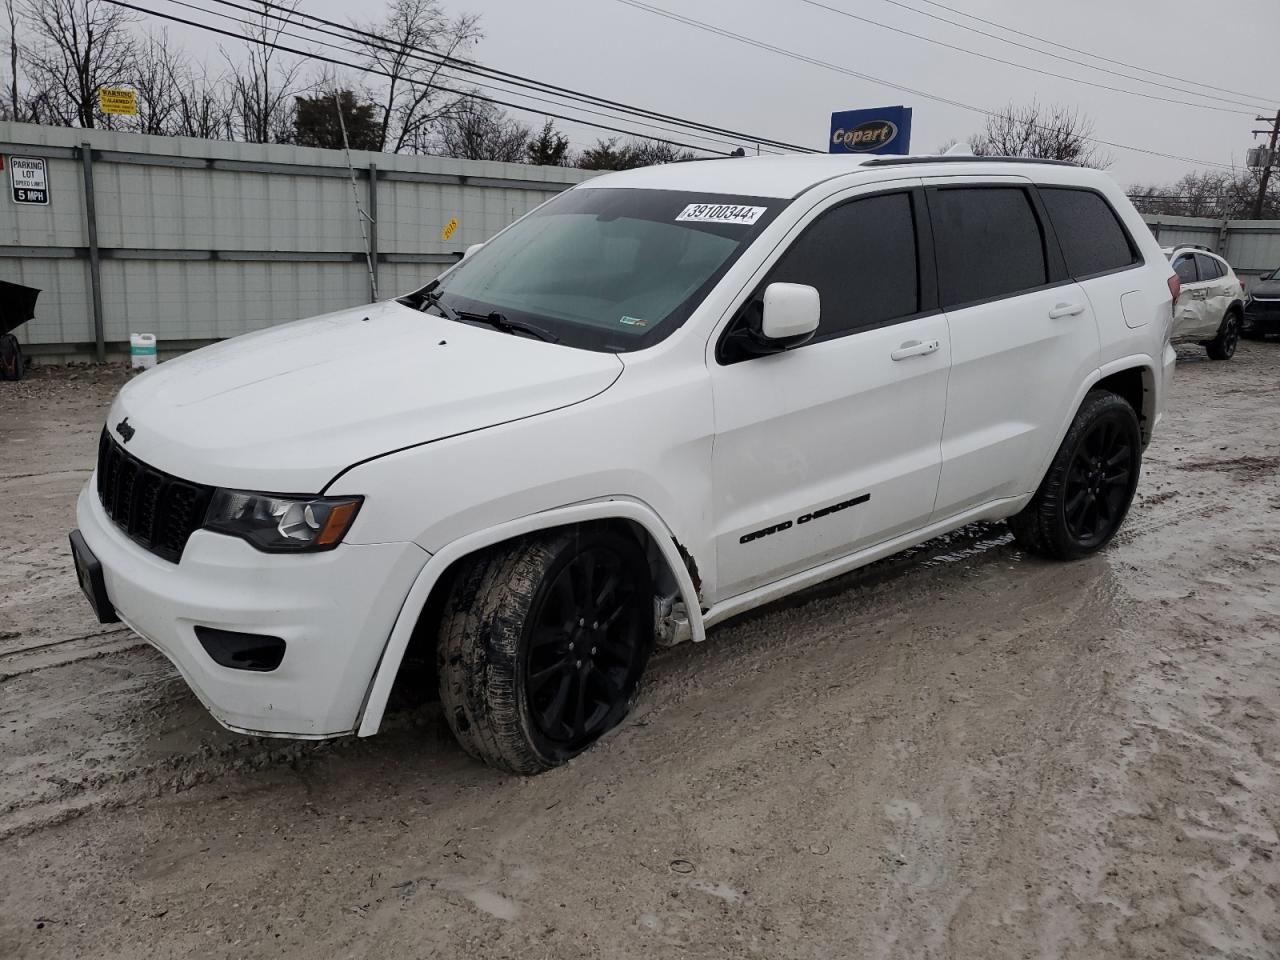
{"x":788,"y":176}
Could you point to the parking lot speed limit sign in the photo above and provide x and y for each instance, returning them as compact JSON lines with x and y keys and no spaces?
{"x":29,"y":178}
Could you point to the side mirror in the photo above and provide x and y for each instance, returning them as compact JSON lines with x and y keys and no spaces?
{"x":785,"y":316}
{"x":471,"y":249}
{"x":790,"y":315}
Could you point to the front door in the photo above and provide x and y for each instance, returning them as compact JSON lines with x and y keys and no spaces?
{"x":834,"y":445}
{"x":1190,"y":311}
{"x":1217,"y":293}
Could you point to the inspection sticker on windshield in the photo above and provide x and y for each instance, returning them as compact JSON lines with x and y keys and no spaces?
{"x":720,"y":213}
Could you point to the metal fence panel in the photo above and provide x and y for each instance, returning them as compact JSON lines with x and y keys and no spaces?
{"x":202,"y":240}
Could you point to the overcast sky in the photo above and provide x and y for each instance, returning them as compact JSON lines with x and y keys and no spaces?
{"x":626,"y":54}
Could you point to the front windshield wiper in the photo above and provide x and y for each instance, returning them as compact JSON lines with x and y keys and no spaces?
{"x":500,"y":321}
{"x":432,"y":297}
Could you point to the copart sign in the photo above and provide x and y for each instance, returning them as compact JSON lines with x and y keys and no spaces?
{"x":882,"y":130}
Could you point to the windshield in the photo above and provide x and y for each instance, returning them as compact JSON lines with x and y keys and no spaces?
{"x":608,"y":269}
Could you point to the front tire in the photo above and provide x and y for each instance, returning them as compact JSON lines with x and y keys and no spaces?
{"x":1085,"y":496}
{"x":1223,"y":346}
{"x":542,"y":645}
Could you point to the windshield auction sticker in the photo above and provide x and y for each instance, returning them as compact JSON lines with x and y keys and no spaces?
{"x":719,"y":213}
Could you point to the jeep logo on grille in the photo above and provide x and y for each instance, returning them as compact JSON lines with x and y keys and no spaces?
{"x":866,"y":136}
{"x":126,"y":432}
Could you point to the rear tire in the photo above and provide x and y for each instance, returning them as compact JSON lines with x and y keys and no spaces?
{"x":12,"y":363}
{"x":1223,"y":346}
{"x":1086,"y":493}
{"x":542,"y":645}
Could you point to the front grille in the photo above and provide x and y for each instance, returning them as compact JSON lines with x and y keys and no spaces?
{"x":155,"y":509}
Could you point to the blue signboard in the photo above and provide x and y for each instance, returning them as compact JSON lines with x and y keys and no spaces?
{"x":881,"y":130}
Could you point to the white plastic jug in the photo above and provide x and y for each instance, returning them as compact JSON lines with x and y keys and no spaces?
{"x":142,"y":350}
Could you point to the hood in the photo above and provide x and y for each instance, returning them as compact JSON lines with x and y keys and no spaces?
{"x":285,"y":409}
{"x":1266,"y":289}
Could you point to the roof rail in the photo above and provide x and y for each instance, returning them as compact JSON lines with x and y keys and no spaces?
{"x":960,"y":158}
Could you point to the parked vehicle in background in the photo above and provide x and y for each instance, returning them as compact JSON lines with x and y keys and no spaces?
{"x":1210,"y":307}
{"x":661,"y":399}
{"x":1262,"y":308}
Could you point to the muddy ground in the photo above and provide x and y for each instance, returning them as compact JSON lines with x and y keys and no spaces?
{"x":963,"y":753}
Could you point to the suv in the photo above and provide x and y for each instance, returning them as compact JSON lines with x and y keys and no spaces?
{"x":1210,"y":309}
{"x":663,"y":398}
{"x":1262,"y":309}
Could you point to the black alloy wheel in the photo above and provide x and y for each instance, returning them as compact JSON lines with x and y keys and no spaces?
{"x":542,"y":644}
{"x":1098,"y":482}
{"x":585,"y":647}
{"x":1223,"y":346}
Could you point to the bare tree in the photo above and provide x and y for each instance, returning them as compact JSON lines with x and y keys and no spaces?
{"x":160,"y":73}
{"x":476,"y":130}
{"x":1047,"y":133}
{"x":1221,"y":194}
{"x":80,"y":46}
{"x":263,"y":87}
{"x":205,"y":108}
{"x":11,"y":14}
{"x":413,"y":42}
{"x":610,"y":155}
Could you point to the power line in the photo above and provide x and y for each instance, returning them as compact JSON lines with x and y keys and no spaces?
{"x":827,"y":65}
{"x":279,"y":31}
{"x":316,"y":56}
{"x":1060,"y":46}
{"x":1048,"y":73}
{"x":473,"y":67}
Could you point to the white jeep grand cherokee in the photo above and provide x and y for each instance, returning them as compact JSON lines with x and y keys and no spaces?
{"x":662,"y":398}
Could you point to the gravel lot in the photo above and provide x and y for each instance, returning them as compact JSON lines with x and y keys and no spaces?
{"x":958,"y":753}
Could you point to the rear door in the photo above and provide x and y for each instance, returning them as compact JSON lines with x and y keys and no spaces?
{"x":834,"y":445}
{"x":1217,"y":292}
{"x":1023,"y":338}
{"x":1189,"y":311}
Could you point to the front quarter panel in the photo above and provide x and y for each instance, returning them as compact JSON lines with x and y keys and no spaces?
{"x":647,"y":438}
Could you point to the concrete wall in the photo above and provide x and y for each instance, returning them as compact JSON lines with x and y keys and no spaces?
{"x":205,"y":239}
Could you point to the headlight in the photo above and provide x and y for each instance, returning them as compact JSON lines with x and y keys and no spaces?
{"x":277,"y":524}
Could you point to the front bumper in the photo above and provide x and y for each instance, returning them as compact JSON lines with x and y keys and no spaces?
{"x":1262,"y":316}
{"x":333,"y":609}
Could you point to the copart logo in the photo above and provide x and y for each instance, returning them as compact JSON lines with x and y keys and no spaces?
{"x":870,"y":135}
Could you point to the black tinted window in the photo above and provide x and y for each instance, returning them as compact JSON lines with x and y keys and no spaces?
{"x":1210,"y":269}
{"x":1185,"y":268}
{"x":861,"y":257}
{"x":1093,"y":241}
{"x":988,"y":241}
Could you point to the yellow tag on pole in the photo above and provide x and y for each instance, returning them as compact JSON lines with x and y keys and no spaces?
{"x":117,"y":100}
{"x":449,"y":228}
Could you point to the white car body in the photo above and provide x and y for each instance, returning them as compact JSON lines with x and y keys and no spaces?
{"x":751,"y":480}
{"x":1210,"y":290}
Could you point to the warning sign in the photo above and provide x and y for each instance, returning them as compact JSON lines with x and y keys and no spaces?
{"x":449,"y":228}
{"x":118,"y":100}
{"x":29,"y":178}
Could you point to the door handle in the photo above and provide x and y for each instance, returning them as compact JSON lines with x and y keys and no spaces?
{"x":1066,"y":310}
{"x":915,"y":348}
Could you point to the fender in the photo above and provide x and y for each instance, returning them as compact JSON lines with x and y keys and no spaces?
{"x":379,"y":691}
{"x":1142,"y":360}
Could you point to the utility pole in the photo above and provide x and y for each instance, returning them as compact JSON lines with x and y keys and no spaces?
{"x":1265,"y":179}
